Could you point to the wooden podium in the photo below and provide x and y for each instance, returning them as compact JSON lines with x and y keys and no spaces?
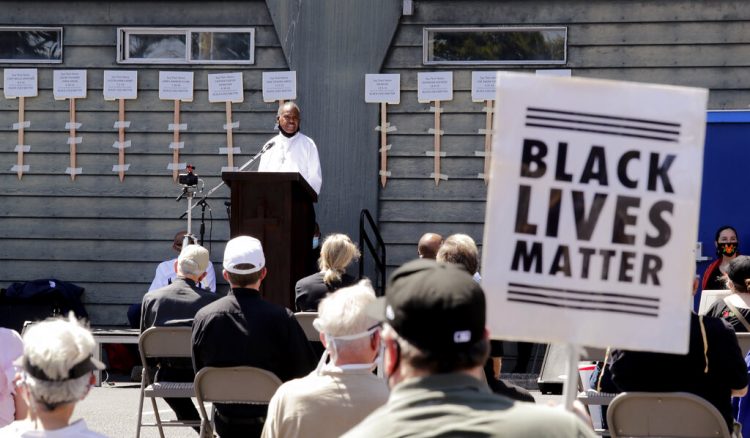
{"x":277,"y":209}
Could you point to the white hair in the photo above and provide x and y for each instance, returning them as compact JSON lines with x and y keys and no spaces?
{"x":55,"y":346}
{"x":189,"y":265}
{"x":342,"y":313}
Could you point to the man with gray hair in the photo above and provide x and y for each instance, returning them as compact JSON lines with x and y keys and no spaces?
{"x":345,"y":388}
{"x":57,"y":373}
{"x":461,"y":250}
{"x":177,"y":304}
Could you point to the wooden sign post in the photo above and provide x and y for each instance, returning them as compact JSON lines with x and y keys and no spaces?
{"x":121,"y":85}
{"x":435,"y":87}
{"x":20,"y":83}
{"x":383,"y":89}
{"x":176,"y":86}
{"x":71,"y":85}
{"x":483,"y":89}
{"x":227,"y":88}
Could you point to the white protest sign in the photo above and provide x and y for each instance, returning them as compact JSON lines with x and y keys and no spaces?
{"x":383,"y":88}
{"x":19,"y":82}
{"x":483,"y":85}
{"x":69,"y":84}
{"x":225,"y":87}
{"x":592,"y":212}
{"x":120,"y":84}
{"x":176,"y":85}
{"x":279,"y":85}
{"x":434,"y":86}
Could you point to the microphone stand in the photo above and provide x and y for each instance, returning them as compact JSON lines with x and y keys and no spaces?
{"x":203,"y":202}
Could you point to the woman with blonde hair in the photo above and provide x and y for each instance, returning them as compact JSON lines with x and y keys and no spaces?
{"x":336,"y":254}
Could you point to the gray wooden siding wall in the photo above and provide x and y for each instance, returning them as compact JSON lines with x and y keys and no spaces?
{"x":97,"y":232}
{"x":703,"y":44}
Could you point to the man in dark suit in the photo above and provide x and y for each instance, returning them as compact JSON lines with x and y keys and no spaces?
{"x":243,"y":329}
{"x":177,"y":304}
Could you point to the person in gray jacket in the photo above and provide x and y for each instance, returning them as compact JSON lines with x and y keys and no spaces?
{"x":435,"y":345}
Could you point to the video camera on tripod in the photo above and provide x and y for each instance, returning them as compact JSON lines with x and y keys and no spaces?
{"x":188,"y":179}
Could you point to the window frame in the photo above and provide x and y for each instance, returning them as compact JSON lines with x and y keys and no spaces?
{"x":123,"y":44}
{"x":460,"y":29}
{"x":35,"y":61}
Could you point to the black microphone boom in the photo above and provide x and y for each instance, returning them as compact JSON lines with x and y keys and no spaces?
{"x":263,"y":150}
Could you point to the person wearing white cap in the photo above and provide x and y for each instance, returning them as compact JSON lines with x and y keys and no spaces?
{"x":242,"y":329}
{"x":57,"y":373}
{"x":177,"y":304}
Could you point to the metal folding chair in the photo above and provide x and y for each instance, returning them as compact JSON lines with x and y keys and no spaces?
{"x":232,"y":385}
{"x":305,"y":320}
{"x":163,"y":342}
{"x":664,"y":414}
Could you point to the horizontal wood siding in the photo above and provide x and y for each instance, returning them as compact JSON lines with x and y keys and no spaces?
{"x":700,"y":44}
{"x":97,"y":232}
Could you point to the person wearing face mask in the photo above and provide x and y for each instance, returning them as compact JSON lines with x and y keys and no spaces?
{"x":340,"y":393}
{"x":436,"y":342}
{"x":337,"y":253}
{"x":292,"y":151}
{"x":735,"y":307}
{"x":727,"y":248}
{"x":57,"y":373}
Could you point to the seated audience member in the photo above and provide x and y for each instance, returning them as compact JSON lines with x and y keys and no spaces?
{"x":56,"y":374}
{"x":462,"y":250}
{"x":345,"y":388}
{"x":712,"y":369}
{"x":428,"y":245}
{"x":727,"y":249}
{"x":166,"y":272}
{"x":177,"y":304}
{"x":11,"y":407}
{"x":735,"y":307}
{"x":243,"y":329}
{"x":337,"y":253}
{"x":435,"y":345}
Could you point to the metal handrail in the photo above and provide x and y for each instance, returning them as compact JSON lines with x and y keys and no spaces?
{"x":378,"y":254}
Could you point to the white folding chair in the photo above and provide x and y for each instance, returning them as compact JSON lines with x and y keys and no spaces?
{"x":163,"y":342}
{"x":305,"y":320}
{"x":248,"y":385}
{"x":664,"y":414}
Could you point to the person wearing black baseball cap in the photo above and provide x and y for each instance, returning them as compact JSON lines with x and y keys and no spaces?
{"x":57,"y":372}
{"x":436,"y":343}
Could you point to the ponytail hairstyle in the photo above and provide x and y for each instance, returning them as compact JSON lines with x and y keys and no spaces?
{"x":336,"y":254}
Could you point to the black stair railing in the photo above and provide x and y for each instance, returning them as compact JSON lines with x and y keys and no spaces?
{"x":377,"y":252}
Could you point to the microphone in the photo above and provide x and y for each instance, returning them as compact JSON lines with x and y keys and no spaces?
{"x":268,"y":146}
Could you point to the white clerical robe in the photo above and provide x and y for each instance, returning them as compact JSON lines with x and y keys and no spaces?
{"x":295,"y":154}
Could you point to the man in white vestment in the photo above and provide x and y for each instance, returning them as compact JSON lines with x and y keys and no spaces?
{"x":292,"y":151}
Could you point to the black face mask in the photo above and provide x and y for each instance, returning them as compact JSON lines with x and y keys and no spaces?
{"x":287,"y":134}
{"x":727,"y":249}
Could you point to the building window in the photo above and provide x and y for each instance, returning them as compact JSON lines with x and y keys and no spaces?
{"x":31,"y":45}
{"x":494,"y":45}
{"x":185,"y":46}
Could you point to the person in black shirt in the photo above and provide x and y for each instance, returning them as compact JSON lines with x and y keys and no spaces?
{"x":242,"y":329}
{"x":337,"y":253}
{"x":727,"y":249}
{"x":716,"y":375}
